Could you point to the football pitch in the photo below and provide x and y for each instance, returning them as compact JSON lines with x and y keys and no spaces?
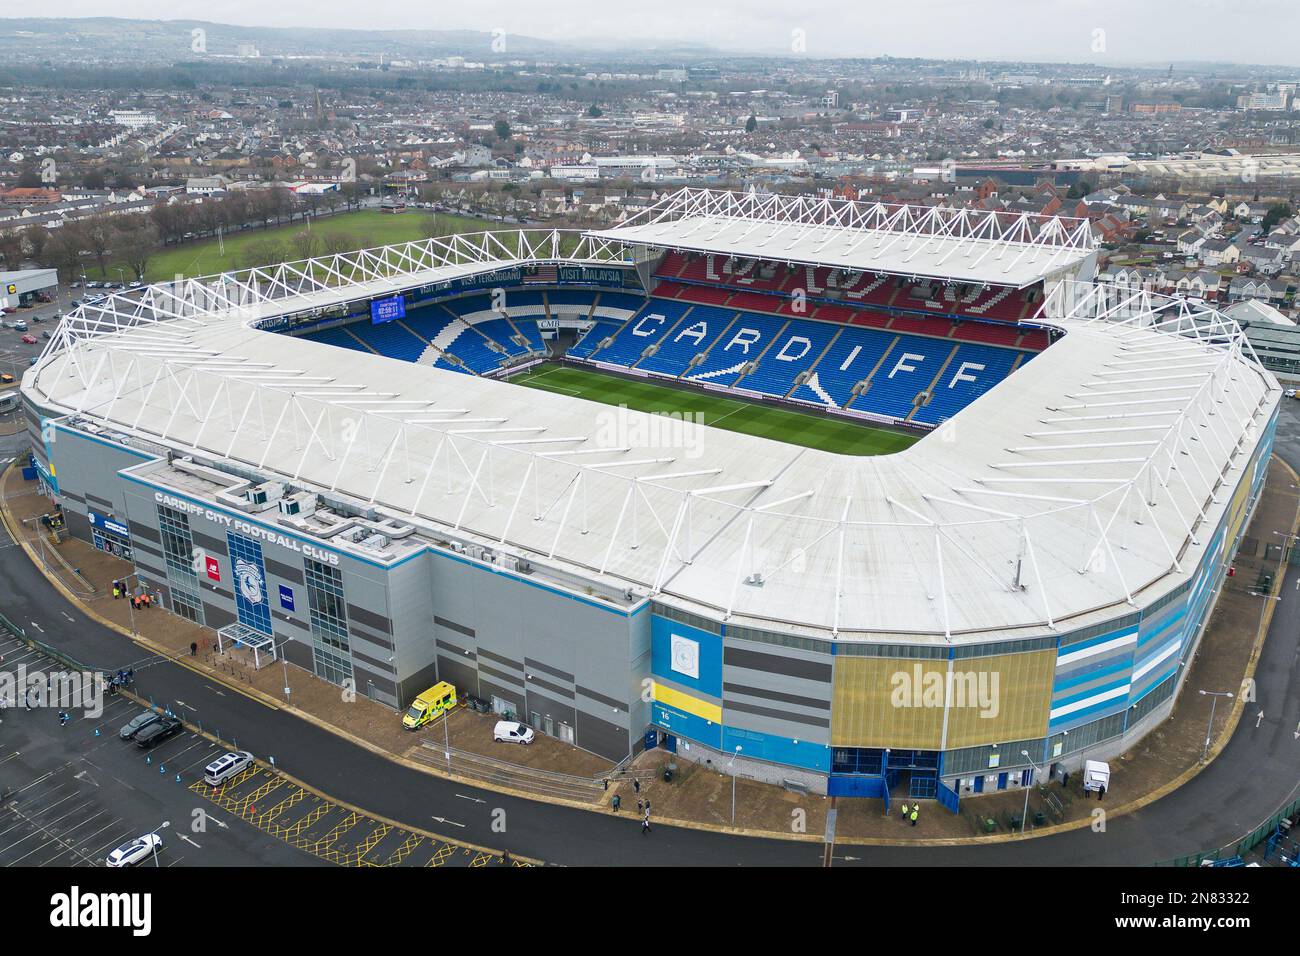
{"x":768,"y":421}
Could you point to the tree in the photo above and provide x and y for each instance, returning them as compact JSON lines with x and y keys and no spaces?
{"x":594,"y":111}
{"x":342,"y":241}
{"x":99,"y":235}
{"x":751,"y":124}
{"x":37,"y":238}
{"x":136,"y":245}
{"x":264,"y":252}
{"x":1276,"y":214}
{"x":502,"y":129}
{"x":11,"y":250}
{"x":65,"y":250}
{"x":307,"y":244}
{"x":29,"y":179}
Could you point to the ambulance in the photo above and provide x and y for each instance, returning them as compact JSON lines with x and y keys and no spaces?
{"x":434,"y":702}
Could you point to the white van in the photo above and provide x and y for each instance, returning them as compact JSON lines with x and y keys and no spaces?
{"x":512,"y":732}
{"x":225,"y":767}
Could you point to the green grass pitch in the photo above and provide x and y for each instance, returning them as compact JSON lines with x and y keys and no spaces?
{"x":752,"y":418}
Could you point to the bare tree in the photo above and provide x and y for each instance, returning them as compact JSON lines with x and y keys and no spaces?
{"x":307,"y":244}
{"x":136,"y":246}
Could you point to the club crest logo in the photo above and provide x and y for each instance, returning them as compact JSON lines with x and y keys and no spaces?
{"x":251,"y":585}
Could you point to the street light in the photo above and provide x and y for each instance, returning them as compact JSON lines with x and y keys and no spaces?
{"x":1209,"y":731}
{"x":733,"y":784}
{"x":1024,"y":815}
{"x":165,"y":825}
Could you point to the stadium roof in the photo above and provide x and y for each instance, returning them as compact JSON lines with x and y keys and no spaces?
{"x":1093,"y":473}
{"x":961,"y":245}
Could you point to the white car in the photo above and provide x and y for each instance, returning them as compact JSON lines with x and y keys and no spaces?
{"x":135,"y":851}
{"x":512,"y":732}
{"x":226,"y":766}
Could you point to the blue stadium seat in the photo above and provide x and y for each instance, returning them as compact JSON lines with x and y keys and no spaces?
{"x":794,"y":350}
{"x":848,"y":361}
{"x":643,"y":329}
{"x":743,"y":342}
{"x":592,"y":338}
{"x":700,"y":327}
{"x":972,"y":372}
{"x":336,"y":336}
{"x":390,"y":339}
{"x":908,"y":368}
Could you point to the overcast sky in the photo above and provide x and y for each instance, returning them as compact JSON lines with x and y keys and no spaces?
{"x":1083,"y":31}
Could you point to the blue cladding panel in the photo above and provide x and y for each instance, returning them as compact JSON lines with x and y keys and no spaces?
{"x":777,"y":749}
{"x":708,"y":650}
{"x":686,"y":725}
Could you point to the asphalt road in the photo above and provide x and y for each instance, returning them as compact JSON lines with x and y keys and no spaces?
{"x":75,"y":792}
{"x":1257,"y":771}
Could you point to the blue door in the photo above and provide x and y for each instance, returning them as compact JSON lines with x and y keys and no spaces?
{"x":1002,"y":781}
{"x":979,"y":784}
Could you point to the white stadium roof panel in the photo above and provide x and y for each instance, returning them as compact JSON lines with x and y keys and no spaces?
{"x":959,"y":245}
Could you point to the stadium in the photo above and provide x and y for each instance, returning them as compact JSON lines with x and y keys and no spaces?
{"x":929,"y":500}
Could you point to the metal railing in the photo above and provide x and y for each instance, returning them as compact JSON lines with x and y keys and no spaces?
{"x":1243,"y":845}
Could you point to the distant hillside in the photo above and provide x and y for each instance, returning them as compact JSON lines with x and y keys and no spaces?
{"x":172,"y":39}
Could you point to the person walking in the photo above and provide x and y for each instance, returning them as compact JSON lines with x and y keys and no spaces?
{"x":915,"y":810}
{"x":636,"y":784}
{"x":194,"y":648}
{"x":616,"y":802}
{"x":63,"y":718}
{"x":645,"y":824}
{"x":640,"y":806}
{"x":905,"y":811}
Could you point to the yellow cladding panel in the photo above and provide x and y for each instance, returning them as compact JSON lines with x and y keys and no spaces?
{"x":1000,"y":698}
{"x":865,"y":711}
{"x":891,"y":702}
{"x":687,"y":703}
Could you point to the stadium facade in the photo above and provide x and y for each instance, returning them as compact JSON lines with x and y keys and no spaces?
{"x":1031,"y":577}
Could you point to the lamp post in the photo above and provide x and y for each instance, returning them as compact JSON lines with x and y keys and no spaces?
{"x":1024,"y":814}
{"x":733,"y":784}
{"x":164,"y":826}
{"x":1209,"y":730}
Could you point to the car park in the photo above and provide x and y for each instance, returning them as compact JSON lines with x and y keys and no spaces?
{"x":135,"y":851}
{"x":137,"y":724}
{"x":151,"y":736}
{"x":226,"y":766}
{"x":512,"y":732}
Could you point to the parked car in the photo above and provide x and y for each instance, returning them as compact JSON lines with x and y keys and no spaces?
{"x":135,"y":851}
{"x":138,"y":723}
{"x":29,"y":339}
{"x":512,"y":732}
{"x":225,"y":767}
{"x":165,"y":729}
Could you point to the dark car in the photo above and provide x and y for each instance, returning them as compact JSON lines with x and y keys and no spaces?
{"x":165,"y":729}
{"x":137,"y":724}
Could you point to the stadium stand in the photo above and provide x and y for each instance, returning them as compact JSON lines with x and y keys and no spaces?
{"x":695,"y":333}
{"x":795,"y":350}
{"x":744,"y":341}
{"x":642,"y":330}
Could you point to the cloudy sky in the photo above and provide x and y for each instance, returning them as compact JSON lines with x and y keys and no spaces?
{"x":1083,"y":31}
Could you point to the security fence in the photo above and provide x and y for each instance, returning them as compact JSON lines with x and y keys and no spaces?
{"x":1241,"y":847}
